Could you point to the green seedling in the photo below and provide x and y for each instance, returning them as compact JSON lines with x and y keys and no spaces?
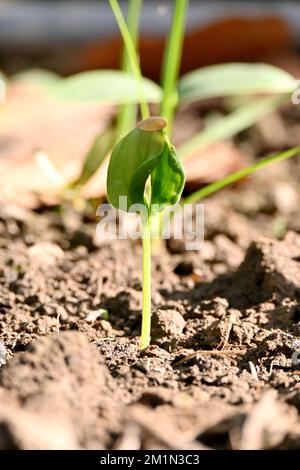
{"x":144,"y":170}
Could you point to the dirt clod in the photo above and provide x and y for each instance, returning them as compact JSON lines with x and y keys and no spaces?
{"x":62,"y":374}
{"x":167,"y":325}
{"x":270,"y":267}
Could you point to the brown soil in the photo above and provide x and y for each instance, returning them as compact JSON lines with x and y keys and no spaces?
{"x":226,"y":322}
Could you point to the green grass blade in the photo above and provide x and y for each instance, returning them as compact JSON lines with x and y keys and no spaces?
{"x":133,"y":57}
{"x":232,"y":124}
{"x":127,"y":113}
{"x":172,"y":60}
{"x":238,"y":175}
{"x":95,"y":157}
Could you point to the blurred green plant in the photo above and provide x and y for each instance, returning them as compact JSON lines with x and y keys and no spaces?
{"x":106,"y":86}
{"x":234,"y":79}
{"x":37,"y":77}
{"x":95,"y":157}
{"x":127,"y":113}
{"x":171,"y":63}
{"x":227,"y":126}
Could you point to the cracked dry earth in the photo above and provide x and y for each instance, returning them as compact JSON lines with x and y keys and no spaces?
{"x":226,"y":321}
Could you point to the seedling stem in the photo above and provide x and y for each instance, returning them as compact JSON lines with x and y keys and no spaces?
{"x":146,"y":280}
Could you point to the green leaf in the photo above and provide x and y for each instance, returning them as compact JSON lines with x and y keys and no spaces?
{"x":131,"y":163}
{"x":234,"y":79}
{"x":227,"y":126}
{"x":109,"y":86}
{"x":143,"y":152}
{"x":95,"y":157}
{"x":37,"y":77}
{"x":167,"y":180}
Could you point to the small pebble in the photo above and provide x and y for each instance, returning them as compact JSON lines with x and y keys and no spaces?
{"x":167,"y":326}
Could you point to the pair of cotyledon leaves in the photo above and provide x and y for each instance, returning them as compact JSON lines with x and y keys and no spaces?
{"x":144,"y":152}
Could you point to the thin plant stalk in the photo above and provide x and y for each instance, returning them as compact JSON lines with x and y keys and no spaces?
{"x":146,"y":282}
{"x":236,"y":176}
{"x":132,"y":55}
{"x":171,"y":62}
{"x":170,"y":72}
{"x":127,"y":113}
